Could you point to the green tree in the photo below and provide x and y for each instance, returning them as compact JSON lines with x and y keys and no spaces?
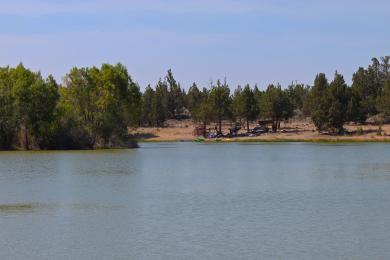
{"x":36,"y":100}
{"x":149,"y":106}
{"x":244,"y":105}
{"x":339,"y":96}
{"x":220,"y":103}
{"x":297,"y":94}
{"x":175,"y":96}
{"x":365,"y":88}
{"x":330,"y":103}
{"x":79,"y":99}
{"x":383,"y":102}
{"x":386,"y":66}
{"x":161,"y":105}
{"x":105,"y":102}
{"x":317,"y":102}
{"x":204,"y":112}
{"x":8,"y":110}
{"x":193,"y":99}
{"x":276,"y":105}
{"x":237,"y":105}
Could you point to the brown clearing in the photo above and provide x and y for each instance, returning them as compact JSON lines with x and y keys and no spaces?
{"x":291,"y":130}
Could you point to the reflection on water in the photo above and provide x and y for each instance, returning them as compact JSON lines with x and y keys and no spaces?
{"x":31,"y":207}
{"x":198,"y":201}
{"x":15,"y":207}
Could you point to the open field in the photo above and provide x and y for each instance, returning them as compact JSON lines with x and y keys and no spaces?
{"x":294,"y":131}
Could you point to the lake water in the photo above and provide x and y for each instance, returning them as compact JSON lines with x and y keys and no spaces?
{"x":198,"y":201}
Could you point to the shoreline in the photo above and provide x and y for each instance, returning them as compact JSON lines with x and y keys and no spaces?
{"x":293,"y":131}
{"x":275,"y":140}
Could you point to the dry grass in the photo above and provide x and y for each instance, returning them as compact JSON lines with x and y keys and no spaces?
{"x":303,"y":131}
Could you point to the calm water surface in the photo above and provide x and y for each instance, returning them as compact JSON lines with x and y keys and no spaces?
{"x":198,"y":201}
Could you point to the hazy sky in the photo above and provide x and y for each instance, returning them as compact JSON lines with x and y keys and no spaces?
{"x":245,"y":41}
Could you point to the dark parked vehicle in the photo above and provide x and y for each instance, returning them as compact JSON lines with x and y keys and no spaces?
{"x":258,"y":130}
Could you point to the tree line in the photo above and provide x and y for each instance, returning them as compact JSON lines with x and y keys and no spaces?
{"x":94,"y":107}
{"x":328,"y":104}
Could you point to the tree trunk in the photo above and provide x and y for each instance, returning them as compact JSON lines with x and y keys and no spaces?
{"x":220,"y":127}
{"x":247,"y":125}
{"x":26,"y":138}
{"x":274,"y":126}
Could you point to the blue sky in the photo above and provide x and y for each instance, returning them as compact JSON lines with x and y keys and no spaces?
{"x":245,"y":41}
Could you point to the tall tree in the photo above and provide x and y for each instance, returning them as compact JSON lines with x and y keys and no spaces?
{"x":386,"y":66}
{"x":365,"y":88}
{"x":383,"y":102}
{"x":297,"y":94}
{"x":220,"y":103}
{"x":149,"y":106}
{"x":317,"y":102}
{"x":161,"y":105}
{"x":339,"y":96}
{"x":8,"y":110}
{"x":237,"y":105}
{"x":105,"y":101}
{"x":250,"y":111}
{"x":193,"y":99}
{"x":175,"y":96}
{"x":330,"y":103}
{"x":204,"y":113}
{"x":36,"y":100}
{"x":276,"y":105}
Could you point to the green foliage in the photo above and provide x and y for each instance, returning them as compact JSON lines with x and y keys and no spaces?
{"x":329,"y":103}
{"x":297,"y":94}
{"x":365,"y":88}
{"x":161,"y":105}
{"x":315,"y":97}
{"x":220,"y":103}
{"x":148,"y":106}
{"x":338,"y":103}
{"x":102,"y":103}
{"x":276,"y":105}
{"x":244,"y":105}
{"x":204,"y":112}
{"x":28,"y":103}
{"x":383,"y":102}
{"x":95,"y":106}
{"x":8,"y":110}
{"x":176,"y":96}
{"x":237,"y":105}
{"x":193,"y":99}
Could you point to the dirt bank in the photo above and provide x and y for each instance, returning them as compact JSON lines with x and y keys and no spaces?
{"x":302,"y":131}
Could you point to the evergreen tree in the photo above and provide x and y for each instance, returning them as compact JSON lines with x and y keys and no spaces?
{"x":220,"y":103}
{"x":204,"y":112}
{"x":175,"y":96}
{"x":161,"y":105}
{"x":149,"y":106}
{"x":339,"y":96}
{"x":383,"y":102}
{"x":317,"y":102}
{"x":276,"y":105}
{"x":193,"y":99}
{"x":237,"y":105}
{"x":297,"y":94}
{"x":250,"y":111}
